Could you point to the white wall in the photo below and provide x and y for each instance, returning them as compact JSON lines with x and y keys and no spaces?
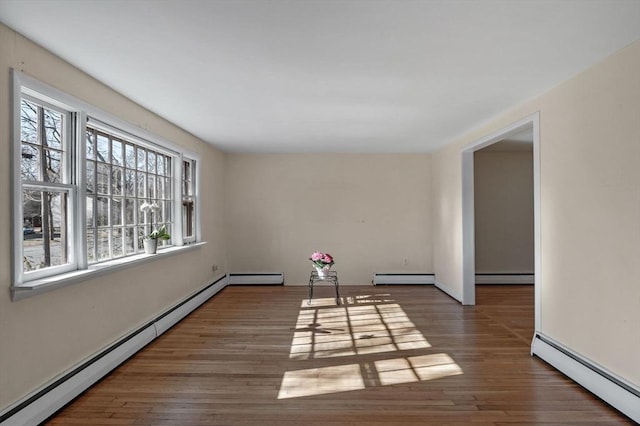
{"x":590,"y":211}
{"x":370,"y":211}
{"x":43,"y":335}
{"x":503,"y":193}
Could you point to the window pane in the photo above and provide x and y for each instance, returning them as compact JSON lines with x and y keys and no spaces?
{"x":160,"y":162}
{"x":142,"y":231}
{"x":116,"y":152}
{"x":103,"y":148}
{"x":90,"y":145}
{"x":160,"y":188}
{"x":129,"y":183}
{"x":90,"y":211}
{"x":167,"y":166}
{"x":53,"y":165}
{"x":53,"y":129}
{"x":103,"y":244}
{"x":142,"y":159}
{"x":91,"y":177}
{"x":141,"y":183}
{"x":102,"y":213}
{"x":30,"y":162}
{"x":159,"y":215}
{"x":116,"y":180}
{"x":186,"y":170}
{"x":151,"y":162}
{"x":28,"y":122}
{"x":151,"y":186}
{"x":187,"y":219}
{"x":103,"y":178}
{"x":116,"y":236}
{"x":116,"y":211}
{"x":91,"y":246}
{"x":45,"y":226}
{"x":130,"y":156}
{"x":129,"y":211}
{"x":130,"y":241}
{"x":167,"y":188}
{"x":167,"y":211}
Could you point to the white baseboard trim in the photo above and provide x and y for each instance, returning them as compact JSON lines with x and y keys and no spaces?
{"x":614,"y":390}
{"x":256,"y":278}
{"x":380,"y":278}
{"x":448,"y":290}
{"x":44,"y":402}
{"x":505,"y":278}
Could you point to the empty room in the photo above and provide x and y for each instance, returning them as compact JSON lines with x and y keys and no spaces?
{"x":347,"y":212}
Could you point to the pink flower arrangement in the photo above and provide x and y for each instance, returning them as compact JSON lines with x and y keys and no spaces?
{"x":321,"y":260}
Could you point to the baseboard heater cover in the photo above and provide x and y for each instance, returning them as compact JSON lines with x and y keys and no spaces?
{"x":43,"y":403}
{"x":403,"y":278}
{"x":256,"y":278}
{"x":621,"y":395}
{"x":505,"y":278}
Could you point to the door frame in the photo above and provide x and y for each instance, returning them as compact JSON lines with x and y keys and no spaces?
{"x":468,"y":213}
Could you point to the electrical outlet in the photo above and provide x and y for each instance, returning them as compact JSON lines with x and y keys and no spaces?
{"x":214,"y":267}
{"x":405,"y":261}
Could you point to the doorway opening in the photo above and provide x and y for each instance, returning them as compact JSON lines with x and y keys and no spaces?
{"x":496,"y":263}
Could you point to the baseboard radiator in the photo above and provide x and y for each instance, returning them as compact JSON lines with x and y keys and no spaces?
{"x":403,"y":278}
{"x":44,"y":402}
{"x":505,"y":278}
{"x":256,"y":278}
{"x":620,"y":394}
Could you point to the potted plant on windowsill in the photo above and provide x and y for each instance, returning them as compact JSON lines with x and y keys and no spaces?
{"x":150,"y":241}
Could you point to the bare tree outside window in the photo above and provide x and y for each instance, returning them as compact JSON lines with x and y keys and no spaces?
{"x":44,"y":209}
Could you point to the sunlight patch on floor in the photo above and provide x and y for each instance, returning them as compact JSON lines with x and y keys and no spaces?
{"x":354,"y":329}
{"x":318,"y":381}
{"x":416,"y":368}
{"x":367,"y":324}
{"x":349,"y":377}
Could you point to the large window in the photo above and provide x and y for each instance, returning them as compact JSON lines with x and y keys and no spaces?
{"x":83,"y":184}
{"x":120,"y":177}
{"x":188,"y":200}
{"x":46,"y":189}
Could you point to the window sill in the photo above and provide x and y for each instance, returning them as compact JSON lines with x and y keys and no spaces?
{"x":31,"y":288}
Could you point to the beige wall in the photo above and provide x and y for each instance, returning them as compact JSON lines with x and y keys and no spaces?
{"x":590,"y":211}
{"x":503,"y":193}
{"x":43,"y":335}
{"x":370,"y":211}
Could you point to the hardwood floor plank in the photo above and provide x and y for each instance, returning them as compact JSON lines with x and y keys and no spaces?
{"x":396,"y":355}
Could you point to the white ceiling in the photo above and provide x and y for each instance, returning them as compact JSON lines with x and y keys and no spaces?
{"x":336,"y":76}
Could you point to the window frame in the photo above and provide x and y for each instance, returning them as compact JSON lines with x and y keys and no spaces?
{"x":78,"y":114}
{"x":194,"y":161}
{"x":129,"y":139}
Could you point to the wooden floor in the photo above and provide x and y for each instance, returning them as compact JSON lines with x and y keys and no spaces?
{"x":390,"y":355}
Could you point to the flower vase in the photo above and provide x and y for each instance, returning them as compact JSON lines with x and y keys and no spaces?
{"x":322,"y":272}
{"x":150,"y":245}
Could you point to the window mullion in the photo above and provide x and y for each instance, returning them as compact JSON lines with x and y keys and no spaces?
{"x":80,"y":161}
{"x":177,"y":204}
{"x":18,"y":234}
